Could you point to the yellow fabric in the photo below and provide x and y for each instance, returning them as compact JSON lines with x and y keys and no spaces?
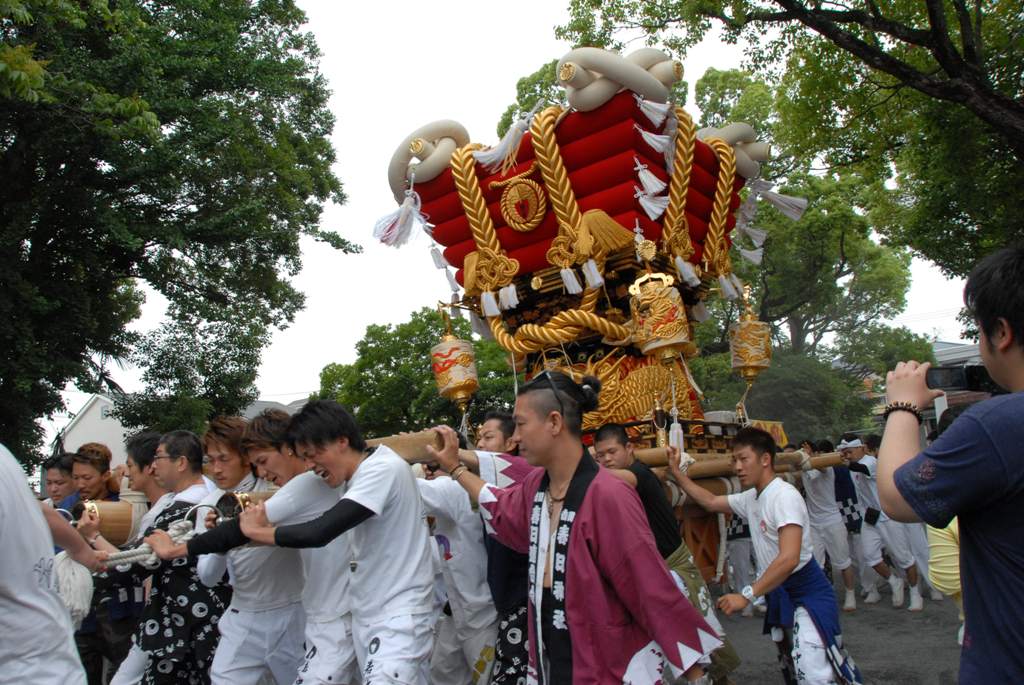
{"x":944,"y":561}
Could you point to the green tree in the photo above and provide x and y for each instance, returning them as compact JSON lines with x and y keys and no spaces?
{"x":390,"y":387}
{"x":875,"y":349}
{"x":811,"y":397}
{"x":826,"y":274}
{"x":927,"y":94}
{"x":183,"y":145}
{"x":193,"y":370}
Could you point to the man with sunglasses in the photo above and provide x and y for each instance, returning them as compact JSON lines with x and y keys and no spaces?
{"x":602,"y":604}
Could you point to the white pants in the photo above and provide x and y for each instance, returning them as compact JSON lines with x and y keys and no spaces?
{"x":831,"y":539}
{"x":330,"y":654}
{"x":810,"y":658}
{"x":253,"y":643}
{"x":739,"y":552}
{"x":918,"y":538}
{"x":132,"y":668}
{"x":464,"y":656}
{"x":395,"y":651}
{"x":867,"y":575}
{"x":893,"y":537}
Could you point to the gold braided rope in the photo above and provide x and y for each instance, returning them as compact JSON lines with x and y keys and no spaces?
{"x":556,"y":181}
{"x":675,"y":229}
{"x":494,"y":269}
{"x":714,"y":243}
{"x":564,"y":327}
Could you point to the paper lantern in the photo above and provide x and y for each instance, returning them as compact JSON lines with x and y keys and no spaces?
{"x":454,"y":365}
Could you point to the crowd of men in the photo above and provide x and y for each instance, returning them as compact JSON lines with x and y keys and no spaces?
{"x":531,"y":559}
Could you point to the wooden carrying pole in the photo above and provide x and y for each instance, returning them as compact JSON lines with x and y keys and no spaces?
{"x":716,"y":465}
{"x":413,"y":446}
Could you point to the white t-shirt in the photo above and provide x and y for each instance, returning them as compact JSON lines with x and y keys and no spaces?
{"x":35,"y":631}
{"x":392,"y":572}
{"x":261,"y":577}
{"x":460,"y":533}
{"x":304,"y":498}
{"x":778,"y":505}
{"x":820,"y":491}
{"x":867,"y":487}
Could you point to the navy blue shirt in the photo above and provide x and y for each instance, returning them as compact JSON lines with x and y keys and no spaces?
{"x":975,"y":471}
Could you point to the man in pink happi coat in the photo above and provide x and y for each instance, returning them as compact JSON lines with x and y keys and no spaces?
{"x":603,"y":607}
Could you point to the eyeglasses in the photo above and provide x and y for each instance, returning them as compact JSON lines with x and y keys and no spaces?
{"x":165,"y":456}
{"x":558,"y":398}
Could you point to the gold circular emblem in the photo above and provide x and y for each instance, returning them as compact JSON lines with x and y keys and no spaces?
{"x":536,"y":282}
{"x":567,"y":71}
{"x":523,"y":205}
{"x":523,"y":202}
{"x":416,"y":146}
{"x":677,"y":69}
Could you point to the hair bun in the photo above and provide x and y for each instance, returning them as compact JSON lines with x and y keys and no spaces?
{"x":590,"y":387}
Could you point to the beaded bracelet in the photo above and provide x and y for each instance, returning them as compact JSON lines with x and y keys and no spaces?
{"x":458,"y":471}
{"x":902,"y":406}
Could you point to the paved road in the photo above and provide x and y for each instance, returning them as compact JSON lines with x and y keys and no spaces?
{"x":891,"y":646}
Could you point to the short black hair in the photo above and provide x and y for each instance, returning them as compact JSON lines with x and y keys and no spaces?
{"x":320,"y":422}
{"x":756,"y":439}
{"x":873,"y":441}
{"x":63,"y":462}
{"x":993,"y":291}
{"x":181,"y":443}
{"x":612,"y":431}
{"x":507,"y":423}
{"x":825,"y":446}
{"x":555,"y":391}
{"x":812,"y":443}
{"x":141,"y":447}
{"x":949,"y":416}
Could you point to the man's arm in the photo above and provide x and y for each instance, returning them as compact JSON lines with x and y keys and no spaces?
{"x":901,"y":439}
{"x":67,"y":537}
{"x":781,"y":567}
{"x":625,"y":475}
{"x":449,"y":459}
{"x":343,"y":516}
{"x":219,"y":540}
{"x":718,"y":504}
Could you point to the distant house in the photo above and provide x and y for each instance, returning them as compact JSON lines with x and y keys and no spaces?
{"x":95,"y":422}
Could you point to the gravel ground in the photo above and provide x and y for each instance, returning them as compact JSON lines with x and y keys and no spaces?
{"x":890,"y":646}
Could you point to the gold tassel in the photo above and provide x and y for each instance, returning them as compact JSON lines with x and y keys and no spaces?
{"x":607,"y":234}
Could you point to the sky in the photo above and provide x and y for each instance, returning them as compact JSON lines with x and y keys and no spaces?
{"x":393,"y":67}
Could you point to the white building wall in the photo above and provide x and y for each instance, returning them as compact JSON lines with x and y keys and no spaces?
{"x":96,"y":423}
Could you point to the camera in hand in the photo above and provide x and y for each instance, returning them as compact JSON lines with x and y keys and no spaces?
{"x":973,"y":378}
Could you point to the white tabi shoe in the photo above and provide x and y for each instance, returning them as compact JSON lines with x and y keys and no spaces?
{"x":896,"y":583}
{"x":872,"y":597}
{"x":936,"y":595}
{"x":916,"y":600}
{"x":850,"y":604}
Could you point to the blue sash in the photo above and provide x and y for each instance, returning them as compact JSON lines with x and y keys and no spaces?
{"x":810,"y":589}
